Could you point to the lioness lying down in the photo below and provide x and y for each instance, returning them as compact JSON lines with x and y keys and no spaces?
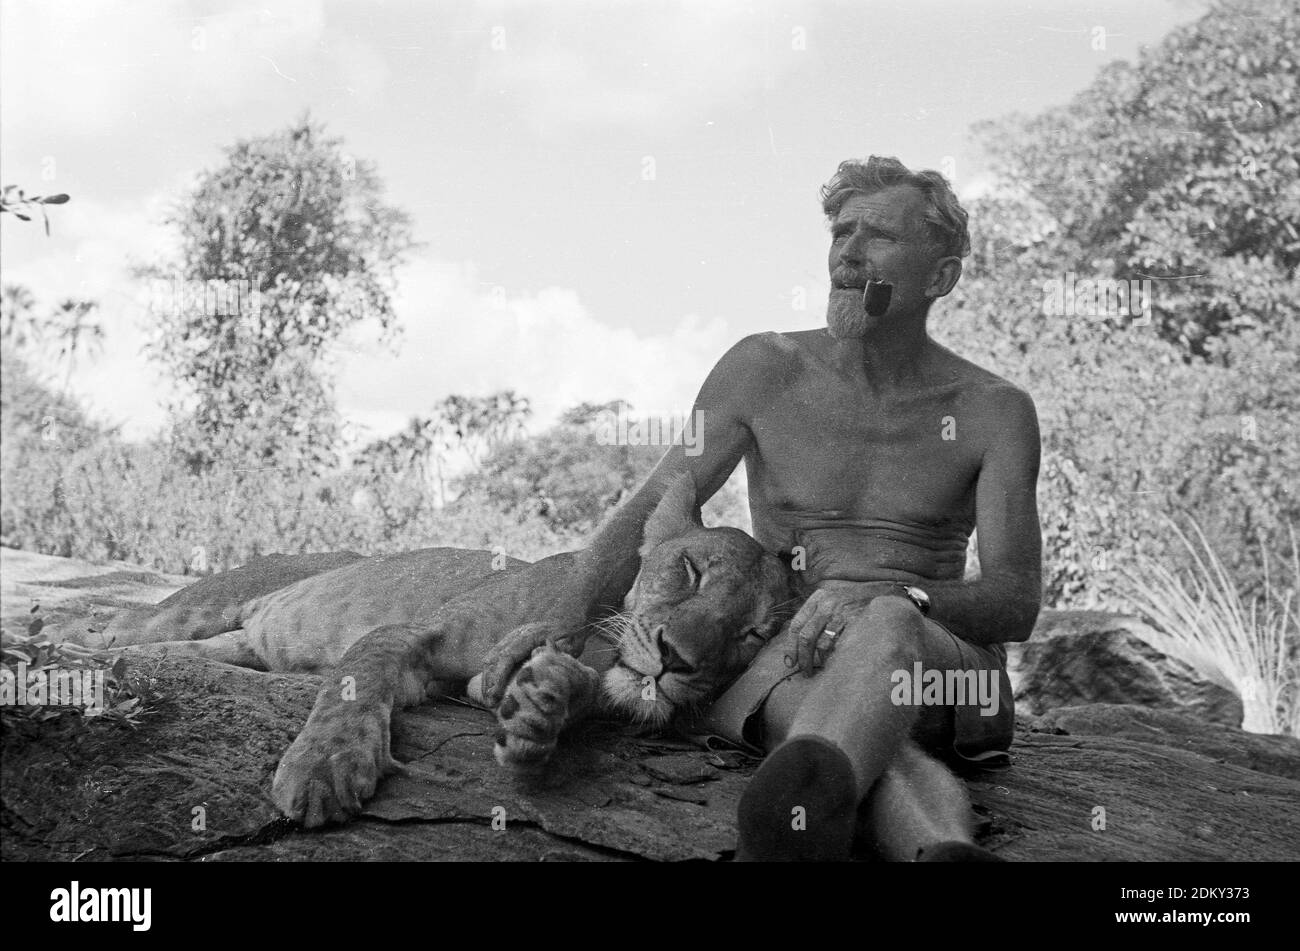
{"x":395,"y":629}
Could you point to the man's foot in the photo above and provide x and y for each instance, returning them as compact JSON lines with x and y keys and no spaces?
{"x":956,"y":851}
{"x":801,"y":805}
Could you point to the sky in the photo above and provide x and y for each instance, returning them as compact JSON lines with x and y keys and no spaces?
{"x":607,"y":195}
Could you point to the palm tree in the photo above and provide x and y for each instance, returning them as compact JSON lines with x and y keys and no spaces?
{"x":16,"y":324}
{"x":74,"y":327}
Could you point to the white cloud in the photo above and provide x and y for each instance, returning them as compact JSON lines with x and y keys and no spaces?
{"x":89,"y":256}
{"x":458,"y":335}
{"x":546,"y":346}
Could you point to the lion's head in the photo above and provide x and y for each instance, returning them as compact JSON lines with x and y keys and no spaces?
{"x":704,"y":603}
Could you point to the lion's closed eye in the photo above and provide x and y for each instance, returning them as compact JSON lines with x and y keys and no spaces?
{"x":692,"y":573}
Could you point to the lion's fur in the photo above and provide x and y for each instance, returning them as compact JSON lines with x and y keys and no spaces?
{"x":301,"y":613}
{"x":398,"y":627}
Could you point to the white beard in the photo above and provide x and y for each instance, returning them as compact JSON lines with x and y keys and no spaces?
{"x":845,"y":316}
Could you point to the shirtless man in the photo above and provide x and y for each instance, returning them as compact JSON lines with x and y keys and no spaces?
{"x":872,"y":452}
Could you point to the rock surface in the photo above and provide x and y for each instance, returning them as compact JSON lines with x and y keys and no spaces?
{"x":192,"y":783}
{"x":1079,"y":657}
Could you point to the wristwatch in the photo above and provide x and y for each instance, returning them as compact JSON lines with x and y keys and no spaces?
{"x":917,"y":596}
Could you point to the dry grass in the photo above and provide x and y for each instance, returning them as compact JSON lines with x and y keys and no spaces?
{"x":1253,"y":645}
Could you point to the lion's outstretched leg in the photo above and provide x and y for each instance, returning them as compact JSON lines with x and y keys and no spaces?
{"x":231,"y":648}
{"x":344,"y":750}
{"x":548,"y":693}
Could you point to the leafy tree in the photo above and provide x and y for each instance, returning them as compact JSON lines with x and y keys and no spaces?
{"x":587,"y":414}
{"x":394,"y":473}
{"x":563,"y":475}
{"x":476,"y":427}
{"x":297,"y":228}
{"x":404,"y":475}
{"x":1183,"y":168}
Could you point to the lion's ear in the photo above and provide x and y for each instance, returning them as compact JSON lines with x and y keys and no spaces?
{"x":675,"y":515}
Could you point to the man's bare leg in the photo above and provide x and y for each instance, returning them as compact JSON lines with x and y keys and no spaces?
{"x":848,"y":701}
{"x":918,"y":810}
{"x":833,"y":737}
{"x":829,"y":738}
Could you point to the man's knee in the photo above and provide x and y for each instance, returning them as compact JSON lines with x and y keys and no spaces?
{"x":890,"y":630}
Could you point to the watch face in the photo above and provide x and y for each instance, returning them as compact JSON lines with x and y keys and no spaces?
{"x":919,"y":598}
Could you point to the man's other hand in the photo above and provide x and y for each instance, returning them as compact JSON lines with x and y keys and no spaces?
{"x":826,"y":615}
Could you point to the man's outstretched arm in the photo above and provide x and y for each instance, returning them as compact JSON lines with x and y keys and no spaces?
{"x":607,"y":568}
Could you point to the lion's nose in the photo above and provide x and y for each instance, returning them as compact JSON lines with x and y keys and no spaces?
{"x":669,"y":659}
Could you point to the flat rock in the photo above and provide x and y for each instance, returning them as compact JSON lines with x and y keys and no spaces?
{"x":192,"y":783}
{"x":1090,"y":781}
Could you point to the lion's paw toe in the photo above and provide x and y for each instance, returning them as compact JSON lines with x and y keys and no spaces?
{"x":535,"y":709}
{"x":327,"y":774}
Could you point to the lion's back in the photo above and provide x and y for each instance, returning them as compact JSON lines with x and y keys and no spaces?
{"x":326,"y":613}
{"x":258,"y":577}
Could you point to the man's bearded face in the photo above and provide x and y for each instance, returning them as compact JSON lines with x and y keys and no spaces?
{"x":877,"y":237}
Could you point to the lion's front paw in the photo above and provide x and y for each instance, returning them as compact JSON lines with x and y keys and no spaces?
{"x":334,"y":765}
{"x":506,"y":656}
{"x":539,"y":701}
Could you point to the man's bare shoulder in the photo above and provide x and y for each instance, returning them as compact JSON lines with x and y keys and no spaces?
{"x":762,"y":354}
{"x":999,"y":412}
{"x":770,"y":343}
{"x":987,"y":388}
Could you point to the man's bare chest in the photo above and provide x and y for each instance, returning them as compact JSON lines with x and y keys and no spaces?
{"x":820,"y":447}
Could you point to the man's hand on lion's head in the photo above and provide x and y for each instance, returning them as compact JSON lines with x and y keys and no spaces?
{"x":515,"y":648}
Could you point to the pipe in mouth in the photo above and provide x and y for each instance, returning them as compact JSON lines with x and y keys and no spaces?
{"x":876,"y":296}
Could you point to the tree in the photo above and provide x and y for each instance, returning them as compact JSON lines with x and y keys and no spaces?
{"x":475,"y":427}
{"x":1183,"y":169}
{"x":18,"y":325}
{"x":564,"y":475}
{"x":282,"y":248}
{"x":394,"y":473}
{"x":1180,"y":169}
{"x":588,"y":414}
{"x":76,"y":332}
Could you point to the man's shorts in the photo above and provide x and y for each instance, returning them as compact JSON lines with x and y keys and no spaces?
{"x":957,"y":733}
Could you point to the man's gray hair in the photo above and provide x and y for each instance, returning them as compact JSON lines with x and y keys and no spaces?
{"x":944,"y":216}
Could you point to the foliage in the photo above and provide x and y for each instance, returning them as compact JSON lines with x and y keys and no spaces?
{"x":32,"y":412}
{"x":562,"y":476}
{"x":298,"y":226}
{"x":14,"y":201}
{"x":569,"y":479}
{"x":61,"y":336}
{"x":397,"y":473}
{"x":74,"y":489}
{"x":1182,"y":168}
{"x":129,"y":694}
{"x":1194,"y":416}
